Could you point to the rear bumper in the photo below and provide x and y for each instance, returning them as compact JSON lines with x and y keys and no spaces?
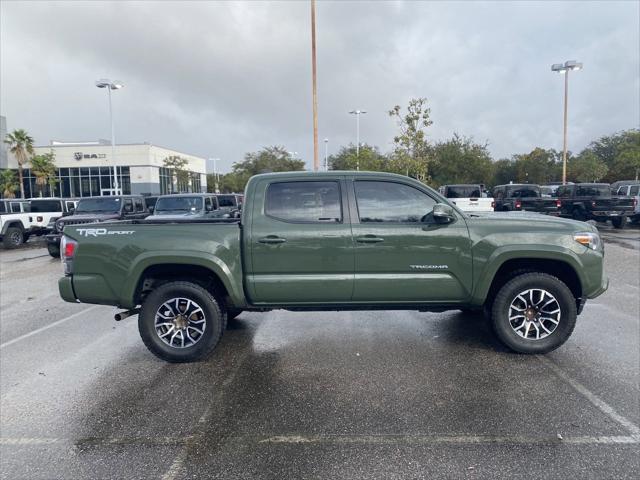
{"x":65,"y":287}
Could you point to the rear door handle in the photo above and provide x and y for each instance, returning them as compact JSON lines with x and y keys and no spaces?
{"x":271,"y":239}
{"x":369,"y":239}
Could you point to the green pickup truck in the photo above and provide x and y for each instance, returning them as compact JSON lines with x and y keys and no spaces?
{"x":336,"y":241}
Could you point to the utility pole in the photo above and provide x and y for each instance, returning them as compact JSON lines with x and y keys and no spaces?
{"x":316,"y":164}
{"x":565,"y":68}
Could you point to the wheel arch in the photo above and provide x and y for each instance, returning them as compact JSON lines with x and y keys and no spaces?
{"x":211,"y":274}
{"x":559,"y":268}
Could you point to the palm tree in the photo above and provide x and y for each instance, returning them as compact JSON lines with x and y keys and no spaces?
{"x":21,"y":145}
{"x":8,"y":183}
{"x":43,"y":168}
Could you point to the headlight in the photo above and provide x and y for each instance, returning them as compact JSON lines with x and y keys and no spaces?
{"x":588,"y":239}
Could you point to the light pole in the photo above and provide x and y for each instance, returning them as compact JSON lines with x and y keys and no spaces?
{"x":326,"y":154}
{"x":216,"y":176}
{"x":357,"y":113}
{"x":112,"y":85}
{"x":565,"y":68}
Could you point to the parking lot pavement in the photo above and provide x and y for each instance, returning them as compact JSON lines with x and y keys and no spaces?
{"x":315,"y":395}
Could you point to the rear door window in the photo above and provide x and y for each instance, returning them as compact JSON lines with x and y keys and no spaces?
{"x":139,"y":205}
{"x":304,"y":202}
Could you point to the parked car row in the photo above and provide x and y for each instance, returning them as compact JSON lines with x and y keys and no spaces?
{"x":580,"y":201}
{"x":92,"y":210}
{"x":20,"y":219}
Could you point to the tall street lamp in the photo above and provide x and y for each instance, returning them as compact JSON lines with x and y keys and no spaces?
{"x":216,"y":175}
{"x":326,"y":154}
{"x":357,"y":113}
{"x":112,"y":85}
{"x":565,"y":68}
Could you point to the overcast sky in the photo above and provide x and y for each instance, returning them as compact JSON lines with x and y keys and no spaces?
{"x":220,"y":79}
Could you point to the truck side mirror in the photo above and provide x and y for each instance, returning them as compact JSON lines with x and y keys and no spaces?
{"x":443,"y":213}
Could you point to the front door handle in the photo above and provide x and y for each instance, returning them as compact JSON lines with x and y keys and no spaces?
{"x":369,"y":239}
{"x":272,"y":239}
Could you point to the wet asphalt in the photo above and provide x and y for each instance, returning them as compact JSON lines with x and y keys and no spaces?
{"x":316,"y":395}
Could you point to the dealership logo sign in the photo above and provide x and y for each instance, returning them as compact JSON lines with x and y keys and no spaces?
{"x":80,"y":155}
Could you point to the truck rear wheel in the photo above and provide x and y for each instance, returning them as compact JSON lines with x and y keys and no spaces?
{"x":180,"y":322}
{"x":13,"y":237}
{"x":534,"y":313}
{"x":619,"y":222}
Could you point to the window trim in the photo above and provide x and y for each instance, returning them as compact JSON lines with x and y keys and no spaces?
{"x":356,"y":217}
{"x":341,"y":199}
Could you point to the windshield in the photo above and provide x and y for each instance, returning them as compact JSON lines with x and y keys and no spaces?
{"x":593,"y":191}
{"x":227,"y":200}
{"x":178,"y":204}
{"x":525,"y":191}
{"x":99,"y":204}
{"x":463,"y":191}
{"x":41,"y":206}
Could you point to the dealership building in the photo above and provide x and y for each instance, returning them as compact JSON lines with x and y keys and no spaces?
{"x":86,"y":169}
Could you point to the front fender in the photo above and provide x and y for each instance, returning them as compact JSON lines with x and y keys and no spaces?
{"x":494,"y":262}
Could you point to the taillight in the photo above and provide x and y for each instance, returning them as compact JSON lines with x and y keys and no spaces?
{"x":40,"y":219}
{"x":558,"y":203}
{"x":593,"y":204}
{"x":518,"y":204}
{"x":493,"y":204}
{"x":68,"y":248}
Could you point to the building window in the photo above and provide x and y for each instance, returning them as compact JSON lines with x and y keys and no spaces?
{"x":79,"y":182}
{"x":196,"y":186}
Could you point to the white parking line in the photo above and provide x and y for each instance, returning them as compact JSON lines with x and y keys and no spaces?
{"x":178,"y":463}
{"x":593,"y":398}
{"x":47,"y":327}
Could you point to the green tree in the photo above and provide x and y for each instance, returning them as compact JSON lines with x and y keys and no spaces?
{"x":21,"y":145}
{"x":268,"y":159}
{"x":8,"y":183}
{"x":43,"y":168}
{"x":538,"y":166}
{"x":369,"y":159}
{"x":504,"y":171}
{"x":177,"y":165}
{"x":461,"y":160}
{"x":411,"y":153}
{"x":620,"y":152}
{"x":587,"y":167}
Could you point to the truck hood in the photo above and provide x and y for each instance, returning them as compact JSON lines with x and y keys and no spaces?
{"x":175,"y":216}
{"x":98,"y":217}
{"x":527,"y":222}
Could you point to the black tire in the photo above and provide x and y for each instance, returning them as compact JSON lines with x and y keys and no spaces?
{"x":13,"y":237}
{"x":213,"y":316}
{"x":619,"y":222}
{"x":578,"y":214}
{"x":54,"y":250}
{"x":517,"y":285}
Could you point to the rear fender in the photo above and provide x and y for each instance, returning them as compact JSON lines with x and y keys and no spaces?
{"x":201,"y":259}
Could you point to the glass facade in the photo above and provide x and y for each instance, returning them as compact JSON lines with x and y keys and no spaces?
{"x":192,"y":184}
{"x":79,"y":182}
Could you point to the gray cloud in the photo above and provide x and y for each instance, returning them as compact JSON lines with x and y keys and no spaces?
{"x":219,"y":79}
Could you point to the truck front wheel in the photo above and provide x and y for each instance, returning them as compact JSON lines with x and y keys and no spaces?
{"x":180,"y":322}
{"x":54,"y":250}
{"x":534,"y":313}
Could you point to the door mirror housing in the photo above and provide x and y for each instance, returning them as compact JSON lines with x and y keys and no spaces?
{"x":443,"y":213}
